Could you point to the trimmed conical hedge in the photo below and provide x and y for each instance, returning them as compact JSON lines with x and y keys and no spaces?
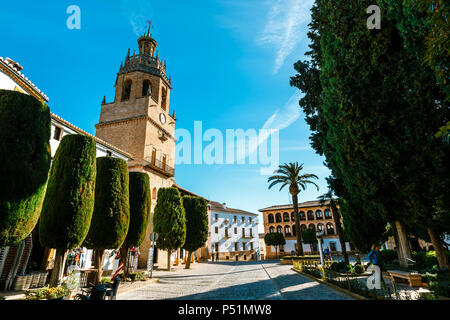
{"x":140,"y":206}
{"x":25,"y":157}
{"x":169,"y":219}
{"x":69,"y":201}
{"x":111,"y":217}
{"x":196,"y":209}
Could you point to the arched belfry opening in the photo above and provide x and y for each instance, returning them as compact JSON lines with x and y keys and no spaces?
{"x":146,"y":88}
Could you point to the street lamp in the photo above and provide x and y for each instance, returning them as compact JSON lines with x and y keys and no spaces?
{"x":319,"y":235}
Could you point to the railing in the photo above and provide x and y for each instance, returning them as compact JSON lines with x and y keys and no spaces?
{"x":352,"y":281}
{"x":159,"y":166}
{"x":146,"y":60}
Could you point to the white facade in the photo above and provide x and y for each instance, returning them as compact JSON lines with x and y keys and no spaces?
{"x":234,"y":233}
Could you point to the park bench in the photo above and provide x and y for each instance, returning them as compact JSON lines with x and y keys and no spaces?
{"x":414,"y":279}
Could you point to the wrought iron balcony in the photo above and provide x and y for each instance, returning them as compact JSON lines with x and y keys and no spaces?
{"x":159,"y":166}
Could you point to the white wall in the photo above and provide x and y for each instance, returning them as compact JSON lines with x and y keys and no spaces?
{"x":101,"y":149}
{"x":7,"y":83}
{"x":227,"y":245}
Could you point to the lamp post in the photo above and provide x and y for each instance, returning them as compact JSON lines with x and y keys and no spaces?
{"x":319,"y":235}
{"x":153,"y":238}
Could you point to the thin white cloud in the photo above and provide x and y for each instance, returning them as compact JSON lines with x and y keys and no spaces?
{"x":286,"y":26}
{"x":138,"y":11}
{"x":281,"y":119}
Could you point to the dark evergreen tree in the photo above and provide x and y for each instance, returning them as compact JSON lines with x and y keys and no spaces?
{"x":111,"y":217}
{"x":25,"y":160}
{"x":169,"y":221}
{"x":374,"y":107}
{"x":309,"y":237}
{"x":140,"y":206}
{"x":197,"y":228}
{"x":69,"y":200}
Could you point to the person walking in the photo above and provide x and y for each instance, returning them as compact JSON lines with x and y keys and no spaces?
{"x":326,"y":253}
{"x":375,"y":258}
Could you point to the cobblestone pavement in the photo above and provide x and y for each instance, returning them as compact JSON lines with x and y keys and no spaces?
{"x":234,"y":281}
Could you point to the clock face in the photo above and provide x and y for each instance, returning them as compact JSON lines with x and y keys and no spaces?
{"x":162,"y":118}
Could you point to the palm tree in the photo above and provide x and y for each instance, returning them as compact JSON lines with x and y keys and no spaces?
{"x":289,"y":175}
{"x":327,"y":200}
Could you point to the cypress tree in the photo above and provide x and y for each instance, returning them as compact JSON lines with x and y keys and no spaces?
{"x":196,"y":209}
{"x":69,"y":200}
{"x":374,"y":107}
{"x":275,"y":239}
{"x":140,"y":206}
{"x":111,"y":217}
{"x":25,"y":160}
{"x":169,"y":221}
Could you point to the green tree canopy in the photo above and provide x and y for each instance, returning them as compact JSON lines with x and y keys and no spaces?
{"x":25,"y":160}
{"x":169,"y":220}
{"x":374,"y":106}
{"x":197,"y":228}
{"x":140,"y":206}
{"x":309,"y":236}
{"x":69,"y":200}
{"x":275,"y":239}
{"x":111,"y":217}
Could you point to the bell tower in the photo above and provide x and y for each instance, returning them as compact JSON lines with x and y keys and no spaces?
{"x":139,"y":119}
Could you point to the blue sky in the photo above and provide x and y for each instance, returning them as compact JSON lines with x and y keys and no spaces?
{"x":230,"y":63}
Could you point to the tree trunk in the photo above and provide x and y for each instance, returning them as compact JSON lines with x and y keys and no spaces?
{"x":439,"y":249}
{"x":403,"y":243}
{"x":169,"y":252}
{"x":395,"y":234}
{"x":44,"y":265}
{"x":188,"y":262}
{"x":124,"y":260}
{"x":339,"y":230}
{"x":276,"y":251}
{"x":58,"y":267}
{"x":99,"y":264}
{"x":297,"y":225}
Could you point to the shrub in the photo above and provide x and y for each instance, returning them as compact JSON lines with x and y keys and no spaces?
{"x":47,"y":293}
{"x":338,"y":266}
{"x":388,"y":256}
{"x":105,"y":280}
{"x":356,"y":269}
{"x":425,"y":261}
{"x":25,"y":160}
{"x":137,"y":276}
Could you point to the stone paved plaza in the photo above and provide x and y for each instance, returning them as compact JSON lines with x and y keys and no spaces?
{"x":262,"y":280}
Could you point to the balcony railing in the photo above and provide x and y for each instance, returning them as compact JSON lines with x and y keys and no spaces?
{"x":159,"y":166}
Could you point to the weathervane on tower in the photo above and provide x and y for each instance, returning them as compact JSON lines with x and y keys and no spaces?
{"x":150,"y":26}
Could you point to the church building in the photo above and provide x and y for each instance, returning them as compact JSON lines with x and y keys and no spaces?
{"x":140,"y":121}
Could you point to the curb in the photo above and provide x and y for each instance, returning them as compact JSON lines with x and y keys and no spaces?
{"x":347,"y":292}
